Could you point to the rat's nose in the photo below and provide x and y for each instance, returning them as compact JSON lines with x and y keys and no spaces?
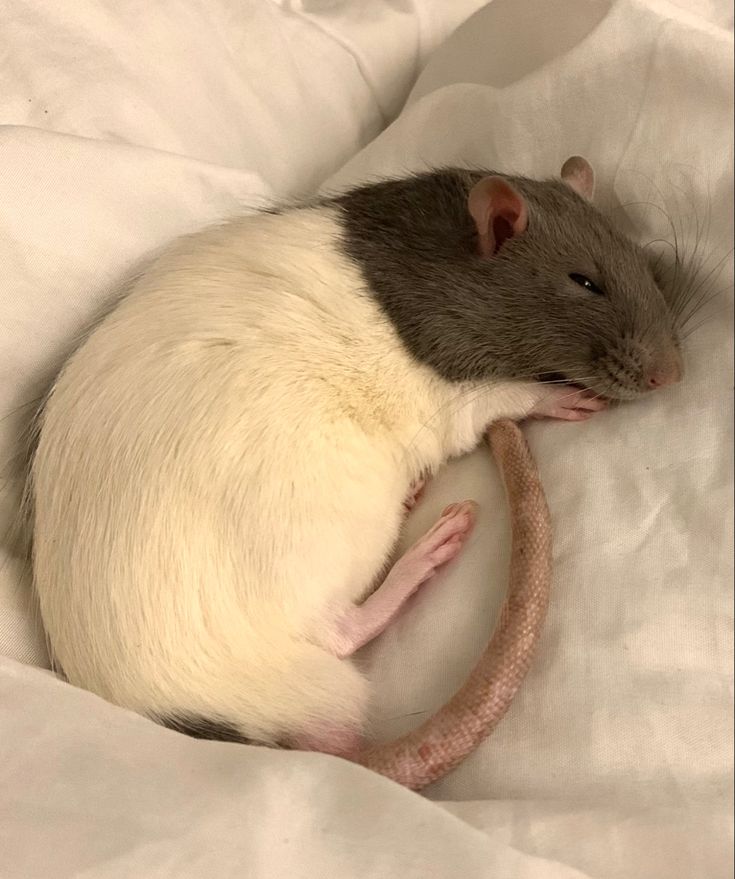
{"x":663,"y":374}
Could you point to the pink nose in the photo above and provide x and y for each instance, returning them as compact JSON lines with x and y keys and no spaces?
{"x":660,"y":377}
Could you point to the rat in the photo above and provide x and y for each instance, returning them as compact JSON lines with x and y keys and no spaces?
{"x":223,"y":466}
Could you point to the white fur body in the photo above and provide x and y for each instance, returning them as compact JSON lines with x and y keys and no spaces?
{"x":221,"y":471}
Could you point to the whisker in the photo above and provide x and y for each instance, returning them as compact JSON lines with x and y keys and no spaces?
{"x":685,"y":275}
{"x":410,"y":714}
{"x":692,"y":300}
{"x":20,"y":407}
{"x":705,"y":320}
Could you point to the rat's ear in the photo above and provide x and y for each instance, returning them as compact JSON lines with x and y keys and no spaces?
{"x":499,"y":212}
{"x":577,"y":173}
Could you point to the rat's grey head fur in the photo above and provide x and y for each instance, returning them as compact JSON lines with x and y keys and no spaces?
{"x":568,"y":297}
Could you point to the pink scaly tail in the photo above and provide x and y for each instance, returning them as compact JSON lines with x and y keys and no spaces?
{"x":442,"y":742}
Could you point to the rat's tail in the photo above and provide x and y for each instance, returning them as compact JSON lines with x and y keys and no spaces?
{"x":443,"y":741}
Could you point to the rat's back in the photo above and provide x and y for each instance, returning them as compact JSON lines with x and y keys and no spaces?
{"x":220,"y":468}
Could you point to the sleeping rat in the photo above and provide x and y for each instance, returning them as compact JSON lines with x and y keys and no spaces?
{"x":222,"y":467}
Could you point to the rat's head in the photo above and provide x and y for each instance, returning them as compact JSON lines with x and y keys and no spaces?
{"x":581,"y":295}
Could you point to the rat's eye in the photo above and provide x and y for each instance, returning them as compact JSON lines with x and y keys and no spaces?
{"x":586,"y":283}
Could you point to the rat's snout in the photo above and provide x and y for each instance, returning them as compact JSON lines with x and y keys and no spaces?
{"x":636,"y":368}
{"x":666,"y":370}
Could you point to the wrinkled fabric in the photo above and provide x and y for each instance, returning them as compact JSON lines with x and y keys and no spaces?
{"x":615,"y":759}
{"x":290,"y":89}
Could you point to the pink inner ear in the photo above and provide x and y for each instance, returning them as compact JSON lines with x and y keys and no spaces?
{"x":577,"y":173}
{"x":499,"y":212}
{"x":502,"y":230}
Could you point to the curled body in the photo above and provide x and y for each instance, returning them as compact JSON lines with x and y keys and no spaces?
{"x":223,"y":465}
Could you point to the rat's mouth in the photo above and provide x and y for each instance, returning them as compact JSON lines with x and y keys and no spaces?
{"x":558,"y":378}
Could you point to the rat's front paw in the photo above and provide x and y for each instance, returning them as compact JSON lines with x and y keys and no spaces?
{"x":568,"y":403}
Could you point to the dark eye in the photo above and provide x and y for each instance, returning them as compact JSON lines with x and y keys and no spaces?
{"x":586,"y":283}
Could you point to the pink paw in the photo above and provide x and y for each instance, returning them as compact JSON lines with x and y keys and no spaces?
{"x":415,"y":493}
{"x":440,"y":544}
{"x":569,"y":404}
{"x":358,"y":625}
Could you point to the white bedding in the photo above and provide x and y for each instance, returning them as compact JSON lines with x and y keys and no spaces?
{"x":615,"y":761}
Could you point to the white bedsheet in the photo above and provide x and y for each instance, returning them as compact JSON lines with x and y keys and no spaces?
{"x":615,"y":761}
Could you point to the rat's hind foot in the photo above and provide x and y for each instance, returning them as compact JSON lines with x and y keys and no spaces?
{"x":441,"y":543}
